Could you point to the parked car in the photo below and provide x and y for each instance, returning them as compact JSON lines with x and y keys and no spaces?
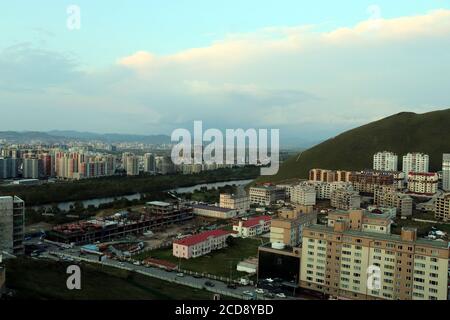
{"x":269,"y":295}
{"x":180,"y":274}
{"x":209,"y":284}
{"x":231,"y":286}
{"x":247,"y":293}
{"x":197,"y":276}
{"x":281,"y":295}
{"x":259,"y":291}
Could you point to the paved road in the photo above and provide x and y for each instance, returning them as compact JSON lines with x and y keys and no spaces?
{"x":219,"y":286}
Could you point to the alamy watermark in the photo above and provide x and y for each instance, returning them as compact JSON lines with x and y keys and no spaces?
{"x":74,"y":280}
{"x":235,"y":150}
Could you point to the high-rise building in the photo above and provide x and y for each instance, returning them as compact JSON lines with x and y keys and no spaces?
{"x":346,"y":260}
{"x":12,"y":222}
{"x":415,"y":162}
{"x":385,"y":161}
{"x":8,"y":168}
{"x":32,"y":168}
{"x":446,"y":172}
{"x":324,"y":175}
{"x":149,"y":163}
{"x":132,"y":165}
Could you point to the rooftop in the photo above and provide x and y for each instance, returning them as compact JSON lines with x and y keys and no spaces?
{"x":254,"y":221}
{"x":212,"y":208}
{"x":198,"y":238}
{"x":381,"y":236}
{"x":159,"y":203}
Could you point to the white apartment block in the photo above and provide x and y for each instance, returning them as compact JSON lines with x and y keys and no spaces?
{"x":239,"y":201}
{"x":303,"y":194}
{"x":446,"y":172}
{"x":415,"y":162}
{"x":263,"y":195}
{"x":385,"y":161}
{"x":388,"y":196}
{"x":324,"y":189}
{"x":423,"y":182}
{"x":12,"y":224}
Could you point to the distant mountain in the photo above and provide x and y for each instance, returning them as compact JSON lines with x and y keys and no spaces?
{"x":112,"y":137}
{"x":353,"y":150}
{"x":64,"y":136}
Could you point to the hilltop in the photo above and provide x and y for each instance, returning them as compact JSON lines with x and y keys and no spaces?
{"x":353,"y":150}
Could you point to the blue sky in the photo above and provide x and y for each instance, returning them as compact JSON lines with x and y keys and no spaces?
{"x":151,"y":66}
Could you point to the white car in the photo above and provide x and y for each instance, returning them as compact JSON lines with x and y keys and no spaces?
{"x":281,"y":295}
{"x":247,"y":293}
{"x":259,"y":291}
{"x":180,"y":274}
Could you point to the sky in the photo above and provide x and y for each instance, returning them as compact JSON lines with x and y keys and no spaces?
{"x":309,"y":68}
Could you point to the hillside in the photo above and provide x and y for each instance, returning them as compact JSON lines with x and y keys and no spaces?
{"x":353,"y":150}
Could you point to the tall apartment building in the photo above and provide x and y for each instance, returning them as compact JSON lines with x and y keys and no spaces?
{"x":423,"y":182}
{"x":385,"y":161}
{"x":12,"y":224}
{"x":8,"y":168}
{"x":287,"y":228}
{"x":442,"y":207}
{"x":32,"y":168}
{"x":415,"y":162}
{"x":132,"y":165}
{"x":303,"y":194}
{"x":325,"y":175}
{"x":389,"y":196}
{"x":343,"y":261}
{"x":164,"y":165}
{"x":344,"y":199}
{"x":446,"y":172}
{"x":149,"y":163}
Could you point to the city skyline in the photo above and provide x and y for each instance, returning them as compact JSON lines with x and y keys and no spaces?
{"x":329,"y":71}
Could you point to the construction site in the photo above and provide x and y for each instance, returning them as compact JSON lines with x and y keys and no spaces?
{"x":155,"y":216}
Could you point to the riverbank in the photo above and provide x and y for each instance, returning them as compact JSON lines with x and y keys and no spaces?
{"x":119,"y":186}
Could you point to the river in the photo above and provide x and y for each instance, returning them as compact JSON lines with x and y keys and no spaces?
{"x":66,"y":206}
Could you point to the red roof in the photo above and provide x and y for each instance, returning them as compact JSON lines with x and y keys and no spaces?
{"x":254,"y":221}
{"x":189,"y":241}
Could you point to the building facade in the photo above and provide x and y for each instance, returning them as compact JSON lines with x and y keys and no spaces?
{"x":346,"y":262}
{"x":442,"y":207}
{"x":303,"y":194}
{"x":12,"y":225}
{"x":253,"y":226}
{"x":446,"y":172}
{"x":389,"y":196}
{"x":415,"y":162}
{"x":263,"y":195}
{"x":239,"y":201}
{"x":345,"y":199}
{"x":200,"y":244}
{"x":385,"y":161}
{"x":425,"y":183}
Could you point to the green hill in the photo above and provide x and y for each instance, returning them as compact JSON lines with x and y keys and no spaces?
{"x":353,"y":150}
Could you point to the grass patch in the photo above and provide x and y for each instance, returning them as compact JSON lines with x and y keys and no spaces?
{"x":217,"y":262}
{"x":46,"y":280}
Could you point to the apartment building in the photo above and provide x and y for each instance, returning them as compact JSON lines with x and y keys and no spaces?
{"x":442,"y":207}
{"x":346,"y":262}
{"x":239,"y":201}
{"x":415,"y":162}
{"x":12,"y":224}
{"x":149,"y":163}
{"x":325,"y":175}
{"x":8,"y":168}
{"x":253,"y":226}
{"x":366,"y":181}
{"x":287,"y":228}
{"x":362,"y":219}
{"x":303,"y":194}
{"x":389,"y":196}
{"x":263,"y":195}
{"x":425,"y":183}
{"x":132,"y":165}
{"x":32,"y":168}
{"x":200,"y":244}
{"x":385,"y":161}
{"x":446,"y":172}
{"x":324,"y":189}
{"x":214,"y":212}
{"x":345,"y":199}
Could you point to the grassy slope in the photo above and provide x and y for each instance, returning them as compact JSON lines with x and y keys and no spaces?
{"x":354,"y":149}
{"x":35,"y":279}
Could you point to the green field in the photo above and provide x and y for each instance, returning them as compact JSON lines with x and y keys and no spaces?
{"x":37,"y":279}
{"x":217,"y":262}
